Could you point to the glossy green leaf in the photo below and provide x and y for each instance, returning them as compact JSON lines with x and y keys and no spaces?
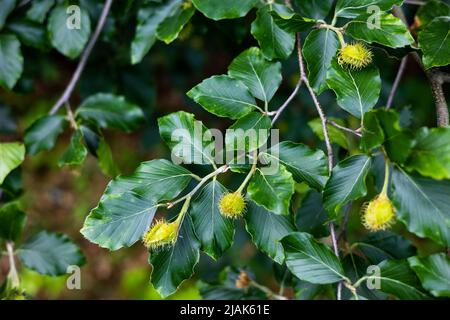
{"x":310,"y":260}
{"x":347,"y":183}
{"x":218,"y":9}
{"x":306,"y":164}
{"x":272,"y":189}
{"x":391,"y":32}
{"x":293,"y":23}
{"x":170,"y":27}
{"x":311,"y":216}
{"x":67,"y":39}
{"x":150,"y":15}
{"x":316,"y":9}
{"x":12,"y":155}
{"x":6,"y":7}
{"x":353,"y":8}
{"x":11,"y":61}
{"x":261,"y":76}
{"x":422,"y":205}
{"x":267,"y":229}
{"x":430,"y":156}
{"x":186,"y":137}
{"x":76,"y":152}
{"x":385,"y":245}
{"x":50,"y":253}
{"x":29,"y":33}
{"x":105,"y":159}
{"x":214,"y":231}
{"x":175,"y":263}
{"x":397,"y":278}
{"x":434,"y":40}
{"x":273,"y":40}
{"x":357,"y":91}
{"x":111,"y":111}
{"x":320,"y":47}
{"x":248,"y":133}
{"x":39,"y":10}
{"x":372,"y":133}
{"x":12,"y":221}
{"x":224,"y":97}
{"x":42,"y":134}
{"x":430,"y":10}
{"x":434,"y":273}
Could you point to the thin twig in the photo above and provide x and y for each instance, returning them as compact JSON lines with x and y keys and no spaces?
{"x":270,"y":294}
{"x":337,"y":125}
{"x":398,"y":78}
{"x":287,"y":102}
{"x":83,"y":60}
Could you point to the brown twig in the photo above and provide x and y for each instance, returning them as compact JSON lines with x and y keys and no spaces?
{"x":337,"y":125}
{"x":83,"y":60}
{"x":398,"y":78}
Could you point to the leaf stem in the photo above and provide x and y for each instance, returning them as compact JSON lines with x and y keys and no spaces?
{"x":267,"y":291}
{"x":83,"y":60}
{"x":13,"y":275}
{"x":250,"y":174}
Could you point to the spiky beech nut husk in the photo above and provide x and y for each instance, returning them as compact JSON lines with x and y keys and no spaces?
{"x":160,"y":234}
{"x":378,"y":214}
{"x":232,"y":205}
{"x":243,"y":281}
{"x":355,"y":56}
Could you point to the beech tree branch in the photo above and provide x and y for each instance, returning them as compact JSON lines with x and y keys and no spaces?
{"x":83,"y":60}
{"x":398,"y":78}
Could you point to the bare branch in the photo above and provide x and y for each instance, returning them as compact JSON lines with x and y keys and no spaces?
{"x":83,"y":60}
{"x":334,"y":124}
{"x":398,"y":78}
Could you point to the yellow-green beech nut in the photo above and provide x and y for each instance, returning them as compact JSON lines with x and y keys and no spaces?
{"x":232,"y":205}
{"x":355,"y":56}
{"x":378,"y":214}
{"x":160,"y":234}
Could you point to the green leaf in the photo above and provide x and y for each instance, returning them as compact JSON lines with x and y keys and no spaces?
{"x":305,"y":164}
{"x":12,"y":155}
{"x":267,"y":229}
{"x":174,"y":264}
{"x":218,"y":9}
{"x":385,"y":245}
{"x":75,"y":153}
{"x":50,"y":253}
{"x":398,"y":141}
{"x":272,"y":190}
{"x":29,"y":33}
{"x":372,"y":133}
{"x":150,"y":15}
{"x":224,"y":97}
{"x":310,"y":260}
{"x":434,"y":273}
{"x":293,"y":23}
{"x":347,"y":183}
{"x":434,"y":41}
{"x":39,"y":10}
{"x":397,"y":278}
{"x":392,"y":32}
{"x":319,"y":49}
{"x":111,"y":111}
{"x":357,"y":90}
{"x":214,"y":231}
{"x":311,"y":216}
{"x":11,"y":61}
{"x":430,"y":10}
{"x":261,"y":76}
{"x":273,"y":40}
{"x":169,"y":29}
{"x":105,"y":159}
{"x":185,"y":136}
{"x":68,"y":41}
{"x":42,"y":134}
{"x":129,"y":203}
{"x":336,"y":135}
{"x":12,"y":221}
{"x":353,"y":8}
{"x":316,"y":9}
{"x":6,"y":7}
{"x":422,"y":205}
{"x":248,"y":133}
{"x":430,"y":156}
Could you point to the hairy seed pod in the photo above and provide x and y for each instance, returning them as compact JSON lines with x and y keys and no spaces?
{"x":232,"y":205}
{"x":378,"y":214}
{"x":355,"y":56}
{"x":160,"y":234}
